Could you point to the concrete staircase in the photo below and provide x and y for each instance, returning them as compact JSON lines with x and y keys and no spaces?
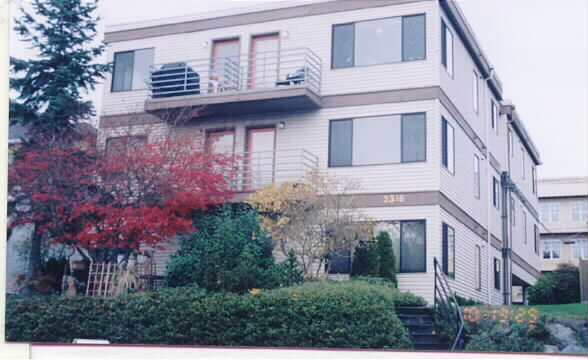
{"x":419,"y":323}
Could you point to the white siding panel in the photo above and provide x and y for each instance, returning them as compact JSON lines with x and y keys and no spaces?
{"x":313,"y":32}
{"x":464,"y":283}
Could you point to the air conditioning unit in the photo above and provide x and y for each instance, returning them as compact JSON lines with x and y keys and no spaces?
{"x":174,"y":79}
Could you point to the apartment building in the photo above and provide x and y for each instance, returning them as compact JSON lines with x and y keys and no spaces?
{"x":564,"y":215}
{"x":394,"y":93}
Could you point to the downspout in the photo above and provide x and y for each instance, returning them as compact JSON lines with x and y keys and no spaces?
{"x":489,"y":185}
{"x":506,"y":187}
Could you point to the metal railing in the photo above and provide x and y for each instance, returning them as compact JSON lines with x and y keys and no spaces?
{"x":239,"y":73}
{"x":255,"y":170}
{"x":446,"y":309}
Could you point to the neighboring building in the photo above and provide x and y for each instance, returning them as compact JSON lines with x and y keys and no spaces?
{"x":564,"y":214}
{"x":395,"y":93}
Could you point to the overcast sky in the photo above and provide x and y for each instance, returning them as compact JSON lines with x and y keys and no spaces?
{"x":539,"y":49}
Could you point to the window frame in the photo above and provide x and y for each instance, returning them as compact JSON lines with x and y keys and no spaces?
{"x":476,"y":91}
{"x":478,"y":265}
{"x":424,"y":222}
{"x":112,"y":77}
{"x":477,"y":177}
{"x":354,"y":23}
{"x":580,"y":211}
{"x":536,"y":238}
{"x":497,"y":268}
{"x":525,"y":232}
{"x":523,"y":167}
{"x":581,"y":251}
{"x":513,"y":211}
{"x":425,"y":139}
{"x":495,"y":192}
{"x":494,"y":115}
{"x":445,"y":250}
{"x":449,"y":66}
{"x":550,"y":248}
{"x":445,"y":153}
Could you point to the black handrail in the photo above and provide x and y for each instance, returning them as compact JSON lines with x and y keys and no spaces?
{"x":446,"y":306}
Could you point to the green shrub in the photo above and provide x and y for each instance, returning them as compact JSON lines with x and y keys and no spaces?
{"x":559,"y":287}
{"x":359,"y":264}
{"x":401,"y":298}
{"x":319,"y":314}
{"x":462,"y":301}
{"x":386,"y":257}
{"x":495,"y":336}
{"x":229,"y":252}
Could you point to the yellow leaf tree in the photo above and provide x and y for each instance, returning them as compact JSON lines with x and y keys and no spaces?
{"x":314,"y":218}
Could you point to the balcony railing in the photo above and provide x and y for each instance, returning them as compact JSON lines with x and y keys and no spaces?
{"x":271,"y":70}
{"x":255,"y":170}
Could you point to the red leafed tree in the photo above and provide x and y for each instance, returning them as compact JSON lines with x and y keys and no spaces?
{"x":111,"y":203}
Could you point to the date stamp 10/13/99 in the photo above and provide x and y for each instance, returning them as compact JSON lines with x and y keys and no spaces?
{"x":503,"y":314}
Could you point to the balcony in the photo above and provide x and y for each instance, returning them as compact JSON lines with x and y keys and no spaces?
{"x":255,"y":170}
{"x":287,"y":80}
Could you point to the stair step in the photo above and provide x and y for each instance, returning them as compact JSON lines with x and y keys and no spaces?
{"x":415,"y":316}
{"x":421,"y":330}
{"x":414,"y":310}
{"x":427,"y":340}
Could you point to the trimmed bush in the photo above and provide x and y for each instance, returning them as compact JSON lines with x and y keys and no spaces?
{"x":559,"y":287}
{"x":401,"y":298}
{"x":229,"y":252}
{"x":351,"y":314}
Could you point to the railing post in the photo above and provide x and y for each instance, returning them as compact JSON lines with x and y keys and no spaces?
{"x":185,"y":77}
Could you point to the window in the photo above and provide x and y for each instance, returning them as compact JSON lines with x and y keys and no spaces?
{"x":513,"y":211}
{"x":447,"y":48}
{"x":449,"y":251}
{"x":496,"y":274}
{"x":510,"y":143}
{"x":448,"y":143}
{"x":580,"y":211}
{"x":550,"y":212}
{"x":119,"y":145}
{"x":494,"y":116}
{"x":377,"y":140}
{"x":524,"y":225}
{"x":475,"y":91}
{"x":409,"y":243}
{"x":220,"y":142}
{"x":523,"y":162}
{"x":536,"y":238}
{"x":379,"y":41}
{"x":478,"y":267}
{"x":131,"y":70}
{"x":534,"y":178}
{"x":495,"y":193}
{"x":476,"y":176}
{"x":581,"y":249}
{"x":551,"y":249}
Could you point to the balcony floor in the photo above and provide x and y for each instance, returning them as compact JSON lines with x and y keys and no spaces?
{"x":277,"y":99}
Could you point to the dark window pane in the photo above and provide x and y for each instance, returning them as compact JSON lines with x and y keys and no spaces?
{"x":412,"y":247}
{"x":413,"y":38}
{"x":448,"y":251}
{"x":413,"y":137}
{"x":444,"y":152}
{"x":378,"y":41}
{"x":496,"y":274}
{"x":340,"y":262}
{"x":123,"y":71}
{"x":343,"y":43}
{"x":340,"y":139}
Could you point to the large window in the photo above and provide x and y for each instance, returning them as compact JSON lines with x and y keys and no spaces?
{"x":513,"y":212}
{"x":449,"y":251}
{"x":494,"y":116}
{"x":580,"y":211}
{"x":131,"y":69}
{"x":551,"y":249}
{"x":510,"y":143}
{"x":534,"y":178}
{"x":523,"y":167}
{"x":448,"y":145}
{"x":581,"y":249}
{"x":495,"y":193}
{"x":377,"y":140}
{"x":379,"y":41}
{"x":409,"y":243}
{"x":536,"y":238}
{"x":447,"y":48}
{"x":118,"y":146}
{"x":496,"y":274}
{"x":476,"y":176}
{"x":550,"y":212}
{"x":478,"y":267}
{"x":475,"y":91}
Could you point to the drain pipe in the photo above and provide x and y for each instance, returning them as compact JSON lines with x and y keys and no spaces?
{"x":506,"y":186}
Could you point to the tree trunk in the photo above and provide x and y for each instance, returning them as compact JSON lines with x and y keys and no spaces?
{"x":34,"y":257}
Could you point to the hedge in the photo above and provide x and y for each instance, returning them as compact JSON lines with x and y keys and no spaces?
{"x":352,"y":314}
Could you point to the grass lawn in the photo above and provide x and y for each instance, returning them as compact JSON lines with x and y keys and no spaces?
{"x":576,"y":310}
